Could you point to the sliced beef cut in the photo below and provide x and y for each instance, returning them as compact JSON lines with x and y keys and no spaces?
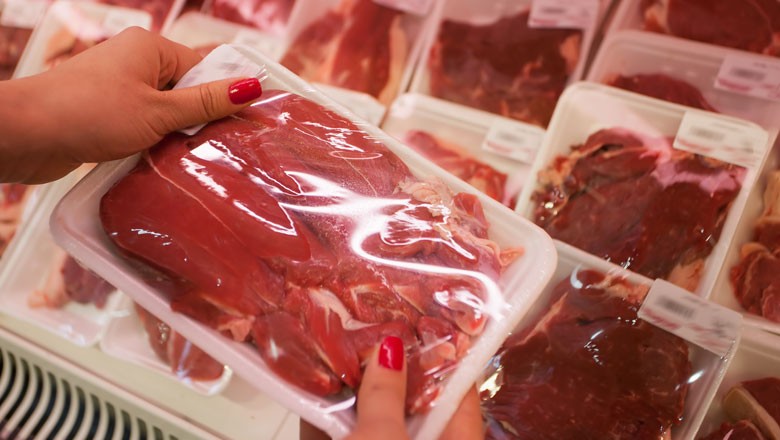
{"x":12,"y":43}
{"x":69,"y":281}
{"x":504,"y":67}
{"x":741,"y":430}
{"x":588,"y":368}
{"x":269,"y":15}
{"x":757,"y":401}
{"x":663,"y":87}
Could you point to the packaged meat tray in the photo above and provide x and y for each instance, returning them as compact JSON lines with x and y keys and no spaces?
{"x":584,"y":364}
{"x":755,"y":369}
{"x":204,"y":33}
{"x":749,"y":279}
{"x":71,"y":27}
{"x":652,"y":186}
{"x":748,"y":25}
{"x":41,"y":285}
{"x":163,"y":12}
{"x":356,"y":287}
{"x":267,"y":15}
{"x":491,"y":153}
{"x":136,"y":336}
{"x":491,"y":59}
{"x":17,"y":20}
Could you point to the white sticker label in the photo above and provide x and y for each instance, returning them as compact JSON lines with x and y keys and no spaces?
{"x":222,"y":62}
{"x":750,"y":76}
{"x":361,"y":104}
{"x":514,"y":140}
{"x":719,"y":138}
{"x":117,"y":20}
{"x":256,"y":41}
{"x":706,"y":324}
{"x":581,"y":14}
{"x":414,"y":7}
{"x":23,"y":14}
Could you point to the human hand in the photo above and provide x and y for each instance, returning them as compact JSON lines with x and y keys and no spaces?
{"x":381,"y":398}
{"x":106,"y":103}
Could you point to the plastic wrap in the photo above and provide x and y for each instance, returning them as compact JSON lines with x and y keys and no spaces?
{"x":311,"y":247}
{"x":17,"y":20}
{"x":267,"y":15}
{"x":163,"y":12}
{"x":583,"y":364}
{"x":635,"y":181}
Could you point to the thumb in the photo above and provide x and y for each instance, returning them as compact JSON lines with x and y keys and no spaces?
{"x":208,"y":102}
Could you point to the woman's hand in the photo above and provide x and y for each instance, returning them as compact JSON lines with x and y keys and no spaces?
{"x":106,"y":103}
{"x":380,"y":403}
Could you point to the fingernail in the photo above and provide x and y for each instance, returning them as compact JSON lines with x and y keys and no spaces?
{"x":245,"y":90}
{"x":391,"y":353}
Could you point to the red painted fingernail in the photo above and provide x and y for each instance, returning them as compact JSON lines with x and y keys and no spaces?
{"x":245,"y":90}
{"x":391,"y":353}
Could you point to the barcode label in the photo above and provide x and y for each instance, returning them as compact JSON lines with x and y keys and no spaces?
{"x":414,"y":7}
{"x":750,"y":75}
{"x":23,"y":14}
{"x":117,"y":20}
{"x":515,"y":140}
{"x":257,"y":41}
{"x":581,"y":14}
{"x":708,"y":325}
{"x":732,"y":141}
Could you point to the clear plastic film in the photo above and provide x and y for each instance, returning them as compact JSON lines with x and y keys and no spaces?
{"x":266,"y":15}
{"x":305,"y":239}
{"x":584,"y":364}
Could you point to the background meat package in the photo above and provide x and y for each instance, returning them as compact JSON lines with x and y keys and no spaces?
{"x":127,"y":339}
{"x":78,"y":229}
{"x":267,"y":15}
{"x":724,"y":292}
{"x":16,"y":203}
{"x":32,"y":257}
{"x":163,"y":12}
{"x":757,"y":357}
{"x":70,"y":27}
{"x":203,"y":33}
{"x":749,"y":25}
{"x":16,"y":26}
{"x":587,"y":108}
{"x":470,"y":57}
{"x":492,"y":169}
{"x":579,"y":336}
{"x":643,"y":57}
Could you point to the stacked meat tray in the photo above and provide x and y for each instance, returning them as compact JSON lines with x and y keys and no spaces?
{"x":573,"y":206}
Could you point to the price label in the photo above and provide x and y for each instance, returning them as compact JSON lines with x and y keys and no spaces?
{"x":257,"y":41}
{"x":414,"y":7}
{"x":361,"y":104}
{"x":23,"y":14}
{"x":514,"y":140}
{"x":730,"y":141}
{"x":750,"y":76}
{"x":581,"y":14}
{"x":117,"y":20}
{"x":706,"y":324}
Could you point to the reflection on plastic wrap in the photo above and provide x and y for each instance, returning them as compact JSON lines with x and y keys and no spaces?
{"x":755,"y":277}
{"x":360,"y":45}
{"x":637,"y":202}
{"x":13,"y":197}
{"x":268,"y":15}
{"x":660,"y":86}
{"x":754,"y":408}
{"x":186,"y":360}
{"x":752,"y":25}
{"x":69,"y":281}
{"x":504,"y":67}
{"x":588,"y":368}
{"x":460,"y":163}
{"x":12,"y":43}
{"x":288,"y":227}
{"x":158,"y":9}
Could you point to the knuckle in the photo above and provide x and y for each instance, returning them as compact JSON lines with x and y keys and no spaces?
{"x":210,"y":102}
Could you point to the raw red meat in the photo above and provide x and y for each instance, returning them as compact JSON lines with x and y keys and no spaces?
{"x":588,"y":369}
{"x":12,"y":43}
{"x":186,"y":360}
{"x":287,"y":226}
{"x":504,"y":67}
{"x":360,"y":45}
{"x":158,"y":9}
{"x":755,"y":280}
{"x":766,"y":393}
{"x":637,"y":202}
{"x":658,"y":85}
{"x":13,"y":197}
{"x":69,"y":281}
{"x":752,"y":25}
{"x":270,"y":15}
{"x":459,"y":162}
{"x":741,"y":430}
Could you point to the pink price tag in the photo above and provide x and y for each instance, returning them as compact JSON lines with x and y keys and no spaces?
{"x":750,"y":76}
{"x":579,"y":14}
{"x":414,"y":7}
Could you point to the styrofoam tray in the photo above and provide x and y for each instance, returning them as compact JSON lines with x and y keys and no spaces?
{"x":126,"y":339}
{"x":76,"y":226}
{"x":77,"y":18}
{"x":634,"y":52}
{"x":460,"y":125}
{"x":28,"y":263}
{"x":194,"y":30}
{"x":757,"y":356}
{"x":585,"y":108}
{"x":707,"y":368}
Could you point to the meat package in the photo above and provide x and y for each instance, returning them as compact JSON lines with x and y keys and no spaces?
{"x":13,"y":199}
{"x":322,"y":238}
{"x":67,"y":281}
{"x":267,"y":15}
{"x":161,"y":11}
{"x":15,"y":30}
{"x":585,"y":366}
{"x":358,"y":45}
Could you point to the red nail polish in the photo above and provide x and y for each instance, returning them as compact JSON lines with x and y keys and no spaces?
{"x":245,"y":90}
{"x":391,"y":353}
